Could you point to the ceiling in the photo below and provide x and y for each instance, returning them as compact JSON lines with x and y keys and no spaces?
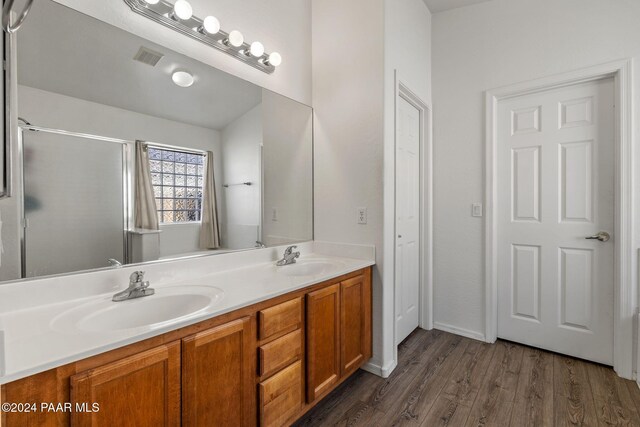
{"x":63,"y":51}
{"x":436,"y":6}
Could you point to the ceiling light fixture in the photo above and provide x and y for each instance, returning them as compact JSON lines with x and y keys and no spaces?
{"x":182,"y":78}
{"x":179,"y":17}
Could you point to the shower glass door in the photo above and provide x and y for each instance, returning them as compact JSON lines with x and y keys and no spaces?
{"x":74,"y":203}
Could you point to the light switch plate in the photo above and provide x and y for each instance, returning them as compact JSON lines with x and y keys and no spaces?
{"x":362,"y":215}
{"x":476,"y":210}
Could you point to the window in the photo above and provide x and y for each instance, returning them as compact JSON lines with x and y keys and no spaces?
{"x":177,"y":179}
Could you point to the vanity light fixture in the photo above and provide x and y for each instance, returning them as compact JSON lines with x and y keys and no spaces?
{"x":182,"y":78}
{"x":179,"y":17}
{"x":182,"y":10}
{"x":274,"y":59}
{"x":235,"y":39}
{"x":256,"y":49}
{"x":210,"y":25}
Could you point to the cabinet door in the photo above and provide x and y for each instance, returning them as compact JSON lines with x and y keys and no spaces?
{"x":355,"y":323}
{"x":218,"y":378}
{"x":323,"y":340}
{"x":141,"y":390}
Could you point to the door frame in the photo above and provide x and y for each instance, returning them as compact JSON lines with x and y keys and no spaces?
{"x":624,"y":290}
{"x":425,"y":308}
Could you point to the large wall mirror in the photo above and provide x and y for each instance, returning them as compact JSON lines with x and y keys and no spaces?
{"x":124,"y":161}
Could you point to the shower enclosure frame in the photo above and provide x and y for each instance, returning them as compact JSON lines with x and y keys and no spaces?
{"x":127,"y":185}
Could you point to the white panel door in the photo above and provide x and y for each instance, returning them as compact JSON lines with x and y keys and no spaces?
{"x":555,"y":189}
{"x":407,"y":219}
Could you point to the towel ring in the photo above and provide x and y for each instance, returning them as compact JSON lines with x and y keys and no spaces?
{"x":6,"y":16}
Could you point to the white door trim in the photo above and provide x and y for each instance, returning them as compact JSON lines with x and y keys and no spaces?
{"x":624,"y":290}
{"x":426,"y":203}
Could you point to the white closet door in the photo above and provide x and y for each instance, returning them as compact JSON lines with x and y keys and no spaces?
{"x":407,"y":219}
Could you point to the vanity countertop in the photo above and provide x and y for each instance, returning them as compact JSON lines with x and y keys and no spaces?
{"x":38,"y":336}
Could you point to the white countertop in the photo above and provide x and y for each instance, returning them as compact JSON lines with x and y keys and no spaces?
{"x":29,"y":344}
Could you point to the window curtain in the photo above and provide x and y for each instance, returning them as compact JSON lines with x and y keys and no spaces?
{"x":210,"y":230}
{"x":146,"y":214}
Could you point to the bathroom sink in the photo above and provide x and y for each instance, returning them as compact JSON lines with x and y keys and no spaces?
{"x":308,"y":268}
{"x":168,"y":305}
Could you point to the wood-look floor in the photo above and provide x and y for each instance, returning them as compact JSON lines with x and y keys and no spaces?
{"x":447,"y":380}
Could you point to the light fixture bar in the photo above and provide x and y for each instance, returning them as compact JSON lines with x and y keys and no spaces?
{"x":162,"y":11}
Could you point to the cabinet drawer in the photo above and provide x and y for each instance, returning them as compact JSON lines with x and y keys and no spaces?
{"x":280,"y":353}
{"x":280,"y":318}
{"x":281,"y":396}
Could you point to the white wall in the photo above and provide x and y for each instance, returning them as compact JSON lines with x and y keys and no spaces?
{"x":282,"y":25}
{"x":348,"y":101}
{"x":353,"y":98}
{"x":241,"y":140}
{"x":486,"y":46}
{"x":56,"y":111}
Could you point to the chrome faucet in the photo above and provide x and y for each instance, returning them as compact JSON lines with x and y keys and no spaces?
{"x":260,"y":245}
{"x":114,"y":263}
{"x":289,"y":256}
{"x":137,"y":288}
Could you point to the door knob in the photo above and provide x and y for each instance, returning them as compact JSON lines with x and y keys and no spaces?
{"x":603,"y":236}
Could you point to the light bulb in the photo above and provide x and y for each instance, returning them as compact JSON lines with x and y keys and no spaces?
{"x":151,"y":1}
{"x":182,"y":9}
{"x":211,"y":25}
{"x":236,"y":38}
{"x":182,"y":78}
{"x":274,"y":59}
{"x":257,"y":49}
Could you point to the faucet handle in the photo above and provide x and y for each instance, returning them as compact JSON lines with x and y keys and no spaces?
{"x":136,"y":277}
{"x":290,"y":249}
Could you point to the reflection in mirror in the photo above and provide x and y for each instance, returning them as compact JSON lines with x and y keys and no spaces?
{"x":220,"y":164}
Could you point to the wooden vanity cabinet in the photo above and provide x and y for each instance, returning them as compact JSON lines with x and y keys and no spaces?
{"x":140,"y":390}
{"x":355,"y":324}
{"x":253,"y":366}
{"x":338,"y":333}
{"x":323,"y":340}
{"x":218,"y":376}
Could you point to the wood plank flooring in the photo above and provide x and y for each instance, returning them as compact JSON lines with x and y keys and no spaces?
{"x":447,"y":380}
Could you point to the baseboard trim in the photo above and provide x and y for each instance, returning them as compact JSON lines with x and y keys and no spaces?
{"x":381,"y":371}
{"x":459,"y":331}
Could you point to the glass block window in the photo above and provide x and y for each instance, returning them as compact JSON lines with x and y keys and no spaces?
{"x":177,"y":179}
